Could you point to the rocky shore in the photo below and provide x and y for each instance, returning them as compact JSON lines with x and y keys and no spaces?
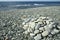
{"x":40,"y":28}
{"x":42,"y":23}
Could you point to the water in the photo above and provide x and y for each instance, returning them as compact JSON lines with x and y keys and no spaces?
{"x":22,"y":5}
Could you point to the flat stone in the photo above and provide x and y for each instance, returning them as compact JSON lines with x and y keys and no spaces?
{"x":38,"y":37}
{"x":26,"y":32}
{"x":41,"y":28}
{"x":36,"y":31}
{"x":37,"y":26}
{"x":32,"y":25}
{"x":55,"y":31}
{"x":29,"y":30}
{"x":42,"y":17}
{"x":32,"y":34}
{"x":58,"y":27}
{"x":46,"y":28}
{"x":45,"y":33}
{"x":25,"y":27}
{"x":40,"y":22}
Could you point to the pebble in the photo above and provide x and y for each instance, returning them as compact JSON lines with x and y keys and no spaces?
{"x":26,"y":32}
{"x":32,"y":25}
{"x":38,"y":37}
{"x":36,"y":31}
{"x":37,"y":26}
{"x":29,"y":30}
{"x":32,"y":34}
{"x":45,"y":33}
{"x":41,"y":27}
{"x":25,"y":27}
{"x":54,"y":31}
{"x":58,"y":27}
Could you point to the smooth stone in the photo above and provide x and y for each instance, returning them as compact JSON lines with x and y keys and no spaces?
{"x":32,"y":25}
{"x":46,"y":27}
{"x":33,"y":19}
{"x":36,"y":31}
{"x":55,"y":31}
{"x":50,"y":20}
{"x":32,"y":34}
{"x":40,"y":22}
{"x":29,"y":30}
{"x":50,"y":26}
{"x":43,"y":17}
{"x":49,"y":35}
{"x":45,"y":33}
{"x":58,"y":27}
{"x":23,"y":23}
{"x":41,"y":28}
{"x":37,"y":26}
{"x":25,"y":27}
{"x":25,"y":32}
{"x":38,"y":37}
{"x":47,"y":22}
{"x":28,"y":20}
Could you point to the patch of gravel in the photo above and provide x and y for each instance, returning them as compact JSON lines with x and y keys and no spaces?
{"x":41,"y":28}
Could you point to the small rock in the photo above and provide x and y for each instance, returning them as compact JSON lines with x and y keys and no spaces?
{"x":37,"y":26}
{"x":38,"y":37}
{"x":46,"y":28}
{"x":55,"y":31}
{"x":47,"y":22}
{"x":32,"y":34}
{"x":40,"y":22}
{"x":29,"y":30}
{"x":26,"y":32}
{"x":41,"y":28}
{"x":32,"y":25}
{"x":36,"y":31}
{"x":42,"y":17}
{"x":25,"y":27}
{"x":23,"y":23}
{"x":58,"y":27}
{"x":49,"y":35}
{"x":45,"y":33}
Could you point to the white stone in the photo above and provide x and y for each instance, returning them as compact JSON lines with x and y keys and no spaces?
{"x":25,"y":27}
{"x":41,"y":28}
{"x":58,"y":27}
{"x":47,"y":22}
{"x":46,"y":28}
{"x":23,"y":23}
{"x":26,"y":32}
{"x":29,"y":30}
{"x":50,"y":20}
{"x":40,"y":22}
{"x":36,"y":31}
{"x":43,"y":17}
{"x":33,"y":19}
{"x":55,"y":31}
{"x":31,"y":25}
{"x":45,"y":33}
{"x":37,"y":26}
{"x":32,"y":34}
{"x":38,"y":37}
{"x":50,"y":26}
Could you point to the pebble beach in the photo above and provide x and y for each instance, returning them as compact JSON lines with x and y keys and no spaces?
{"x":40,"y":23}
